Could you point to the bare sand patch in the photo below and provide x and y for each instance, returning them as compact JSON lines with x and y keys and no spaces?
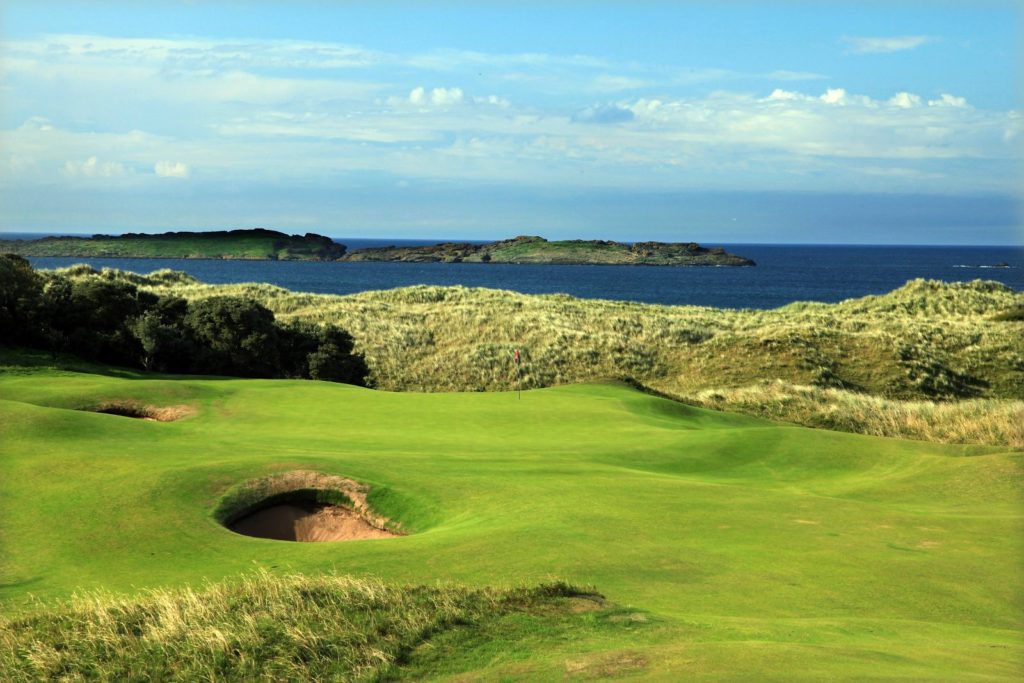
{"x":303,"y":506}
{"x":307,"y":522}
{"x":142,"y":411}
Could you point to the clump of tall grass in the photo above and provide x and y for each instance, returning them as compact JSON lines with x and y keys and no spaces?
{"x":261,"y":627}
{"x":160,"y":278}
{"x":972,"y":421}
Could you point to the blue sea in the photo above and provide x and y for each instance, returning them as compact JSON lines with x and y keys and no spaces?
{"x":784,"y":273}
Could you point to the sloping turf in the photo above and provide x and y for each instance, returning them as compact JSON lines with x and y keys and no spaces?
{"x":755,"y":549}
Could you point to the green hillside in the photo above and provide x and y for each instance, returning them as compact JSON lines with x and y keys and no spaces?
{"x":731,"y":547}
{"x":256,"y":243}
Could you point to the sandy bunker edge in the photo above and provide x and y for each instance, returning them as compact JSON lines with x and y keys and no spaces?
{"x":142,"y":411}
{"x":303,"y":506}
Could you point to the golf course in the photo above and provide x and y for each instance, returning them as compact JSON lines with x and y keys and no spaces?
{"x":713,"y":544}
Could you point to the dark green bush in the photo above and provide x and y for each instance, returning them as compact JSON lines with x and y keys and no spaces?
{"x":112,"y":321}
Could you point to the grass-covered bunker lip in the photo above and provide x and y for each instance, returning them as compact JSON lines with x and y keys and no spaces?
{"x":302,"y":505}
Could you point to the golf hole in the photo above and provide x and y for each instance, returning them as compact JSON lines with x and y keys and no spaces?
{"x":304,"y":507}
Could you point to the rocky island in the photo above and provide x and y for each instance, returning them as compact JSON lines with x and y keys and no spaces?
{"x":537,"y":250}
{"x":253,"y":243}
{"x":263,"y":244}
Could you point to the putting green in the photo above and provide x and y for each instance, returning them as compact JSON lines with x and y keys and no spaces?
{"x":748,"y":548}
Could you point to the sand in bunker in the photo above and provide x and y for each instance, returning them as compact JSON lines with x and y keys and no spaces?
{"x":307,"y":522}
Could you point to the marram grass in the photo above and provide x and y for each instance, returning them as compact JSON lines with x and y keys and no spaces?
{"x":260,"y":627}
{"x":979,"y":420}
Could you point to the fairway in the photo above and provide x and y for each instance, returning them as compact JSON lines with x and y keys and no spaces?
{"x":746,"y":548}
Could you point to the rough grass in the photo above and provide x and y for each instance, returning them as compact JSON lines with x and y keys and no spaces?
{"x":264,"y":627}
{"x":982,"y":421}
{"x":926,"y":344}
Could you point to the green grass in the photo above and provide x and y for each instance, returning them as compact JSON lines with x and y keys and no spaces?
{"x":747,"y":549}
{"x":571,"y":251}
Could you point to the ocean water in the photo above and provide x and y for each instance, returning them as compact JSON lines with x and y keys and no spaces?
{"x":784,"y":273}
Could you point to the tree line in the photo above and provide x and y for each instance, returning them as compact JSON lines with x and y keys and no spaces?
{"x":115,"y":322}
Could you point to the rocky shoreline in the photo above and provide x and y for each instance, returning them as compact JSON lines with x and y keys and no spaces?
{"x":537,"y":250}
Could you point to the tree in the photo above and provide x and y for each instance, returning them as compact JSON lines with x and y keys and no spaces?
{"x":234,"y":337}
{"x":96,"y":320}
{"x":322,"y":352}
{"x":334,"y":360}
{"x":20,"y":298}
{"x":110,"y":320}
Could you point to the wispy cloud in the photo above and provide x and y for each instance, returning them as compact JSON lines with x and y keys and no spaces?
{"x":93,"y":168}
{"x":783,"y":75}
{"x":878,"y":45}
{"x":605,"y":113}
{"x":223,"y":112}
{"x":171,"y":169}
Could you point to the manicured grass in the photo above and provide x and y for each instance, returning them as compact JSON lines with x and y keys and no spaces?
{"x":747,"y":549}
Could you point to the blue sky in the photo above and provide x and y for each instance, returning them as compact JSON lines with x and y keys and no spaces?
{"x":868,"y":122}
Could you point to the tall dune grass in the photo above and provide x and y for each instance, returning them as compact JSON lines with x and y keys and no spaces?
{"x":926,"y":343}
{"x":259,"y":628}
{"x":985,"y":421}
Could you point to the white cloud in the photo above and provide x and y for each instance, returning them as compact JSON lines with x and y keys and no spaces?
{"x":209,"y":103}
{"x":39,"y":123}
{"x":169,"y":169}
{"x":780,"y":94}
{"x":947,"y":100}
{"x":197,"y":53}
{"x":905,"y":100}
{"x":878,"y":45}
{"x":446,"y":97}
{"x":498,"y":101}
{"x":834,"y":96}
{"x":645,"y":107}
{"x":783,"y":139}
{"x":438,"y":97}
{"x":93,"y":168}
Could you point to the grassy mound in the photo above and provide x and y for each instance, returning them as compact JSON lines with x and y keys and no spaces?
{"x":265,"y":627}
